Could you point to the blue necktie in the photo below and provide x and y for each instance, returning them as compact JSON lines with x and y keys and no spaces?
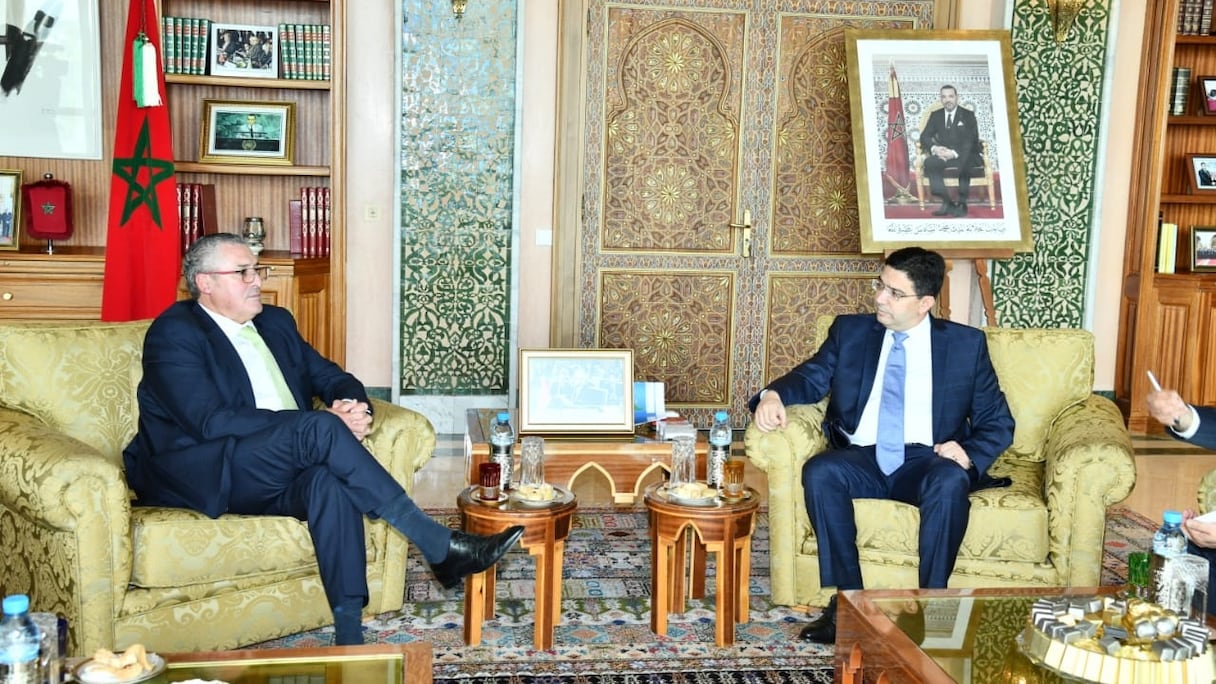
{"x":890,"y":446}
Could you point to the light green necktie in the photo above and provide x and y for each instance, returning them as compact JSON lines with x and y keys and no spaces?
{"x":280,"y":385}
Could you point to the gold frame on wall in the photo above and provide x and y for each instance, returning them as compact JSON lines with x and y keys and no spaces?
{"x":244,"y":149}
{"x":871,"y":57}
{"x":12,"y":240}
{"x":576,"y":391}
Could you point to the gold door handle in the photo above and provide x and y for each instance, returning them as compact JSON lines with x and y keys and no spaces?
{"x":746,"y":227}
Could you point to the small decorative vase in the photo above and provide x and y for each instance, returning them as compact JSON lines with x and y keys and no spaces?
{"x":254,"y":234}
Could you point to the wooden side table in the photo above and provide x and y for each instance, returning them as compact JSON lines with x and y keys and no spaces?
{"x":624,"y":461}
{"x":724,"y":529}
{"x":545,"y":532}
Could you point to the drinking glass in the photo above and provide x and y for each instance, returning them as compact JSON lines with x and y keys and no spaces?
{"x":683,"y":460}
{"x":532,"y":461}
{"x":490,"y":475}
{"x":50,"y":660}
{"x":732,"y":478}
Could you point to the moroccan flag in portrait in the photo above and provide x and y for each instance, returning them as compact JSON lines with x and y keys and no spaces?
{"x":895,"y":175}
{"x":143,"y":250}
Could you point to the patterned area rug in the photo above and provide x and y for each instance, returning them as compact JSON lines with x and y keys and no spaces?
{"x":605,"y":636}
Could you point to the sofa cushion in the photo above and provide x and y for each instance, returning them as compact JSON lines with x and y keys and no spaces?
{"x":174,"y":547}
{"x":78,"y":378}
{"x":1042,"y":372}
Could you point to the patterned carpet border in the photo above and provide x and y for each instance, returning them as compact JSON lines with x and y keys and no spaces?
{"x":604,"y":636}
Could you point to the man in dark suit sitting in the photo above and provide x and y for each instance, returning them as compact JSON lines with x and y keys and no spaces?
{"x":226,"y":426}
{"x":915,"y":415}
{"x":951,"y":140}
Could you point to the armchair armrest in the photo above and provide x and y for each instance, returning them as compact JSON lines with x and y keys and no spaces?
{"x":780,"y":454}
{"x":402,"y":441}
{"x":1089,"y":466}
{"x":69,"y":509}
{"x":1207,"y":492}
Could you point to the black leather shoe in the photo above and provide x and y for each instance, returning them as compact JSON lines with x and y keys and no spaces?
{"x":470,"y":554}
{"x":947,"y":209}
{"x":959,"y":209}
{"x":822,"y":629}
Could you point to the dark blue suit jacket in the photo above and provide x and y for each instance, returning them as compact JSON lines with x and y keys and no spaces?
{"x":196,"y":401}
{"x":1205,"y":436}
{"x":968,"y":404}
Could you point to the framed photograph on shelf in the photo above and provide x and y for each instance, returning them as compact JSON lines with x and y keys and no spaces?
{"x":576,"y":391}
{"x":235,"y":132}
{"x":10,"y":209}
{"x":244,"y":51}
{"x":1201,"y":169}
{"x":936,"y":140}
{"x":1207,"y":92}
{"x":1203,"y":252}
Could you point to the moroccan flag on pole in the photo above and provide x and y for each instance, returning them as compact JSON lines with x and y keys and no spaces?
{"x":896,"y":173}
{"x":143,"y":244}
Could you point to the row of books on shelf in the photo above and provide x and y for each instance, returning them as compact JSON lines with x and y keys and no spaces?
{"x":1180,"y":91}
{"x":1195,"y":17}
{"x":199,"y":47}
{"x":308,"y":218}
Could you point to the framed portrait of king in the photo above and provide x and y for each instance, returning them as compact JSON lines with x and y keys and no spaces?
{"x":938,"y":151}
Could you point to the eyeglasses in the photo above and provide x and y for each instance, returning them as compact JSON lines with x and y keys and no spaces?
{"x":247,"y":274}
{"x":878,"y":285}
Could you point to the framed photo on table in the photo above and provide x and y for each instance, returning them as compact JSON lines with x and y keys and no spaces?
{"x":235,"y":132}
{"x":1201,"y":170}
{"x":936,"y":141}
{"x":244,"y":51}
{"x":1203,"y":252}
{"x":10,"y":209}
{"x":576,"y":391}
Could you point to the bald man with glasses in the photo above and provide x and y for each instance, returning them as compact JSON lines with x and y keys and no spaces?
{"x":915,"y":414}
{"x":226,"y":425}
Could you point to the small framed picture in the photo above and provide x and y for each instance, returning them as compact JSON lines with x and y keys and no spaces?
{"x":1201,"y":169}
{"x":10,"y":209}
{"x":244,"y":51}
{"x":588,"y":391}
{"x":1207,"y":90}
{"x":1203,"y":254}
{"x":235,"y":132}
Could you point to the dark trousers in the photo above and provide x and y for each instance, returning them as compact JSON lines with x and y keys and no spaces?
{"x":1209,"y":554}
{"x":312,"y":468}
{"x":935,"y":169}
{"x":937,"y":486}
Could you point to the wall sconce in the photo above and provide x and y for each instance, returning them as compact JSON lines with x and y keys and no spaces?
{"x":458,"y":8}
{"x":1063,"y":13}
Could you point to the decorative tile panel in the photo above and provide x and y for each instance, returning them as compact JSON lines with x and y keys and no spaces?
{"x":457,"y":136}
{"x":791,"y":322}
{"x":1059,"y":104}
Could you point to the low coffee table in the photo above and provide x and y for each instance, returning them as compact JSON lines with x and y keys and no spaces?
{"x":624,"y":461}
{"x":369,"y":664}
{"x":724,"y":529}
{"x":545,"y":532}
{"x":969,"y":634}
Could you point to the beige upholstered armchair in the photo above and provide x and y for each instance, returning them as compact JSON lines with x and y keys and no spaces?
{"x":171,"y":579}
{"x":1071,"y":457}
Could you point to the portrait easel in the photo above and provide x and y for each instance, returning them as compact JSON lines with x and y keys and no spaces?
{"x":979,"y":260}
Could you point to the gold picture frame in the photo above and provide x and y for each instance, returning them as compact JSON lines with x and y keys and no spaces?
{"x":247,"y":132}
{"x":10,"y":209}
{"x":898,"y":100}
{"x":575,"y":391}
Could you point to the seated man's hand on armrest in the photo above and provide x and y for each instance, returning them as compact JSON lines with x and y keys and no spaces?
{"x":770,"y":412}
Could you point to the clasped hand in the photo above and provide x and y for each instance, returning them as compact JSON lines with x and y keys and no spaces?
{"x":355,"y":414}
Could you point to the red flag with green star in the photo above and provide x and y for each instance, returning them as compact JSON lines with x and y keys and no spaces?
{"x":142,"y":238}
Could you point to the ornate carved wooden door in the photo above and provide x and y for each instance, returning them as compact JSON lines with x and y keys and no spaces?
{"x":719,"y":210}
